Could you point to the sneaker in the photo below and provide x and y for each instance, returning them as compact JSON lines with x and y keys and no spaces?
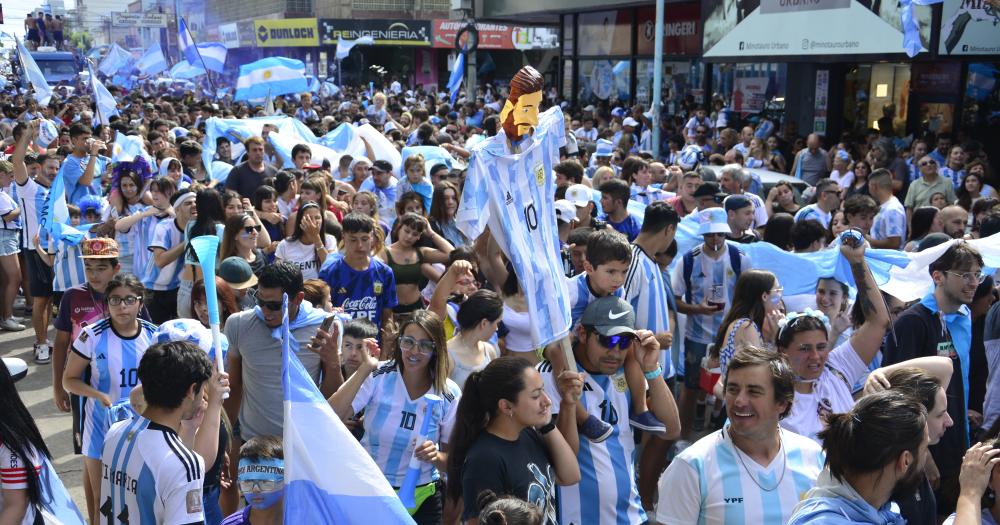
{"x":596,"y":430}
{"x":43,"y":353}
{"x":20,"y":320}
{"x":647,"y":422}
{"x":10,"y":325}
{"x":20,"y":303}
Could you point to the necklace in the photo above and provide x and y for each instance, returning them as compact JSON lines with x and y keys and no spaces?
{"x":784,"y":466}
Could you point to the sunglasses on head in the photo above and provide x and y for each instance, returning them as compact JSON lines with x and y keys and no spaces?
{"x":620,"y":342}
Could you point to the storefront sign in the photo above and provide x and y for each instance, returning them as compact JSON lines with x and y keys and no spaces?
{"x":119,"y":19}
{"x":248,"y":33}
{"x":385,"y":32}
{"x":290,"y":32}
{"x":806,"y":27}
{"x":970,"y":27}
{"x":749,"y":94}
{"x":935,"y":78}
{"x":497,"y":36}
{"x":229,"y":35}
{"x":822,"y":100}
{"x":681,"y":30}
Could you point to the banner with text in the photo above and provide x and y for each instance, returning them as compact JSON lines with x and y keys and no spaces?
{"x":681,"y":30}
{"x":384,"y":32}
{"x":497,"y":36}
{"x":120,"y":19}
{"x":758,"y":28}
{"x":290,"y":32}
{"x":970,"y":27}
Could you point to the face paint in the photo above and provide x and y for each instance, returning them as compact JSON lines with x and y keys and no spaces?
{"x":262,"y":481}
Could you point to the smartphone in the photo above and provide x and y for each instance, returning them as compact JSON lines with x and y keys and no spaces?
{"x":325,"y":326}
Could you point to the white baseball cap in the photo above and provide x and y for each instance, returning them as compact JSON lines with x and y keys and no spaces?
{"x":713,"y":220}
{"x":629,"y":121}
{"x":565,"y":211}
{"x":578,"y":195}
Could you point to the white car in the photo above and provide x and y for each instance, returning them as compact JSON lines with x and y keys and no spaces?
{"x":768,"y":179}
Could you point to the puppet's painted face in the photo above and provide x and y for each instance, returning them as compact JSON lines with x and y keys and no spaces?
{"x":524,"y":112}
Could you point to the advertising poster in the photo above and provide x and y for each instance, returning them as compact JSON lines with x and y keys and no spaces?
{"x":749,"y":94}
{"x":822,"y":101}
{"x":755,"y":28}
{"x":384,"y":32}
{"x":681,"y":30}
{"x":970,"y":27}
{"x":289,"y":32}
{"x":605,"y":33}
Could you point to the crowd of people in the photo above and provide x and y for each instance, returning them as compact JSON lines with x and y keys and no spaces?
{"x":701,"y":394}
{"x":43,"y":29}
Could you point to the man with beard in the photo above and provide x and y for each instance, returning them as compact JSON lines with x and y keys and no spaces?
{"x":941,"y":325}
{"x":874,"y":452}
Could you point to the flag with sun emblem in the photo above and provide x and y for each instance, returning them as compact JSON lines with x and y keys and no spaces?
{"x":271,"y":76}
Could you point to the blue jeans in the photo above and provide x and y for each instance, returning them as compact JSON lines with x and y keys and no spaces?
{"x":210,"y":502}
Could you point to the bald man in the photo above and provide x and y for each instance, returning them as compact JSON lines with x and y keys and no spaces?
{"x":954,"y":218}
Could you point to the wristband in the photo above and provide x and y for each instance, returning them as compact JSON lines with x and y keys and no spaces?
{"x":547,"y":428}
{"x":654,"y":374}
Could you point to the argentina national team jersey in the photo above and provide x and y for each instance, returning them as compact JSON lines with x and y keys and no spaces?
{"x":149,"y":477}
{"x":67,"y":266}
{"x":127,"y":241}
{"x":166,"y":235}
{"x":31,"y":197}
{"x":890,"y":221}
{"x":649,"y":194}
{"x":710,"y":482}
{"x":580,"y":294}
{"x":114,"y":364}
{"x":512,"y":194}
{"x":607,"y":493}
{"x":393,"y":422}
{"x":645,"y":290}
{"x":142,"y":257}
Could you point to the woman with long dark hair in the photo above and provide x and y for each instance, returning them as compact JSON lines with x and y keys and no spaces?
{"x":239,"y":238}
{"x":21,"y":452}
{"x":209,"y":219}
{"x":130,"y":187}
{"x":505,"y":440}
{"x":752,"y":320}
{"x":924,"y":221}
{"x":308,"y":245}
{"x":393,"y":396}
{"x":444,"y":207}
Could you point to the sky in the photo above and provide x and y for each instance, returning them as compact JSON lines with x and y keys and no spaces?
{"x":13,"y":16}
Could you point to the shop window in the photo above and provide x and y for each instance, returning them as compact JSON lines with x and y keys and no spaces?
{"x":605,"y":33}
{"x":603,"y":80}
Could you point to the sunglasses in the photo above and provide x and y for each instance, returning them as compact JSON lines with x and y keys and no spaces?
{"x":929,"y":163}
{"x":616,"y":342}
{"x":274,"y":306}
{"x":424,"y":346}
{"x":262,"y":485}
{"x":251,"y":229}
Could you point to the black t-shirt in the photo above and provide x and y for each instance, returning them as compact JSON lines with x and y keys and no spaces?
{"x":520,"y":468}
{"x":245,"y":181}
{"x":919,"y":334}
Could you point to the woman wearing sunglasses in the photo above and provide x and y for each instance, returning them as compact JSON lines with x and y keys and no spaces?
{"x":239,"y":239}
{"x":111,"y":350}
{"x":753,"y":318}
{"x":393,"y":395}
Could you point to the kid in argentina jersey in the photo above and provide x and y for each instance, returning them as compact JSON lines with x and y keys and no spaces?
{"x":114,"y":363}
{"x":511,"y":193}
{"x":393,"y":421}
{"x":149,"y":476}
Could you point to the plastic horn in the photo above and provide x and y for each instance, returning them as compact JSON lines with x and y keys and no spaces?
{"x":340,"y":333}
{"x":407,"y":492}
{"x":206,"y":247}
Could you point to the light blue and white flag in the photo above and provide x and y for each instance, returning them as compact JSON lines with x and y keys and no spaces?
{"x":457,"y":74}
{"x":106,"y":103}
{"x":214,"y":55}
{"x":911,"y":28}
{"x":56,"y":504}
{"x":344,"y":139}
{"x":116,"y":60}
{"x":284,"y":142}
{"x":272,"y":76}
{"x":128,"y":147}
{"x":313,"y":84}
{"x":344,"y":46}
{"x":329,"y":89}
{"x":54,"y":223}
{"x":185,"y":43}
{"x":239,"y":130}
{"x":183,"y":70}
{"x":433,"y":155}
{"x":43,"y":93}
{"x":317,"y":444}
{"x":153,"y":61}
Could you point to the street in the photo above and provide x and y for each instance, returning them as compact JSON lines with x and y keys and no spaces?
{"x":36,"y":392}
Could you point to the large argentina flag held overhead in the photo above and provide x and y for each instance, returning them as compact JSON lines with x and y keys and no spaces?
{"x":271,"y":76}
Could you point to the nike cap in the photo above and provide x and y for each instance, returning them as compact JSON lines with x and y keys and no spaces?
{"x":610,"y":316}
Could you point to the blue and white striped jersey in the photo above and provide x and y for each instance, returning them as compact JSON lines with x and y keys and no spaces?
{"x":955,"y":176}
{"x":166,"y":235}
{"x":31,"y":197}
{"x":645,"y":290}
{"x":649,"y":194}
{"x":580,"y":295}
{"x":114,"y":365}
{"x":127,"y":241}
{"x":141,"y":256}
{"x":67,"y":266}
{"x":705,"y":273}
{"x":713,"y":483}
{"x":607,"y":493}
{"x":149,"y":476}
{"x":890,"y":221}
{"x":393,"y":421}
{"x":512,"y":193}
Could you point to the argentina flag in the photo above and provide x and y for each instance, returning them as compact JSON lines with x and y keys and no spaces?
{"x":185,"y":43}
{"x":214,"y":55}
{"x":329,"y":477}
{"x":106,"y":103}
{"x":116,"y":60}
{"x":271,"y":76}
{"x":42,"y":90}
{"x":152,"y":62}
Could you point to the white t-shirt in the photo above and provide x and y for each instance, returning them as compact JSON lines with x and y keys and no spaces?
{"x":13,"y":476}
{"x":304,"y":256}
{"x":831,"y":392}
{"x":707,"y":483}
